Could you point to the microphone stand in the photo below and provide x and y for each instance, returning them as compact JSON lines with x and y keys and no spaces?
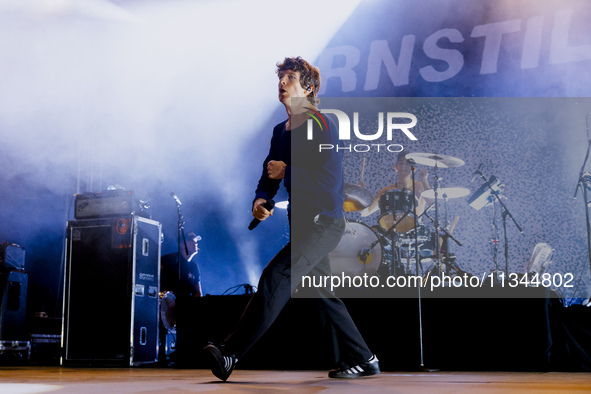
{"x":414,"y":212}
{"x":495,"y":240}
{"x":180,"y":234}
{"x":417,"y":262}
{"x":504,"y":215}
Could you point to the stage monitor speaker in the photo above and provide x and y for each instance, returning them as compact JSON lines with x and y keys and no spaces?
{"x":111,"y":292}
{"x":13,"y":305}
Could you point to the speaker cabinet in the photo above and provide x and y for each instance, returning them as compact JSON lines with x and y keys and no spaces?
{"x":13,"y":305}
{"x":111,"y":292}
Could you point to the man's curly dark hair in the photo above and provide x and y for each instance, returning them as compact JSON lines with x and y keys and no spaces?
{"x":309,"y":75}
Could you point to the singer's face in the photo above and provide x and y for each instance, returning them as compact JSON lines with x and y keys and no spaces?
{"x":290,"y":86}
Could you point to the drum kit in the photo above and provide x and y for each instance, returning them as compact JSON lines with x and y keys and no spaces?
{"x":402,"y":239}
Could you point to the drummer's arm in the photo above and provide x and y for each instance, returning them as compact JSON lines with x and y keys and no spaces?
{"x":374,"y":206}
{"x":424,"y":185}
{"x":423,"y":202}
{"x":371,"y":209}
{"x":424,"y":178}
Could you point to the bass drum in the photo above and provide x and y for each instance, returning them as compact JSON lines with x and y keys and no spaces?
{"x":353,"y":255}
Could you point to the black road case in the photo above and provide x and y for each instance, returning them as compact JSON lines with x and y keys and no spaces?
{"x":111,"y":292}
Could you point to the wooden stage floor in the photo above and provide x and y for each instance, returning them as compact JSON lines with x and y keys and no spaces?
{"x":25,"y":380}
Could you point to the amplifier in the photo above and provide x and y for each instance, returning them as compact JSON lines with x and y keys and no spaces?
{"x":110,"y":203}
{"x":12,"y":256}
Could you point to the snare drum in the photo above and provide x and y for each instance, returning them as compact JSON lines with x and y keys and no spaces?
{"x":353,"y":255}
{"x":393,"y":205}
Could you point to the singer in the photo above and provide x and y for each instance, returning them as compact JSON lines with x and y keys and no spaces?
{"x":315,"y":185}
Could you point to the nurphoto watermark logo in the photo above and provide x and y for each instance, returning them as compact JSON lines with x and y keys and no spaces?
{"x":389,"y":125}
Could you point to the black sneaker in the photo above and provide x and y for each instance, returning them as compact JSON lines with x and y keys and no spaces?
{"x":221,"y":366}
{"x":371,"y":367}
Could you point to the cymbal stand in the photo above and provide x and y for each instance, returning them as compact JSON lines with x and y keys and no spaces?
{"x":396,"y":267}
{"x":443,"y":245}
{"x":436,"y":222}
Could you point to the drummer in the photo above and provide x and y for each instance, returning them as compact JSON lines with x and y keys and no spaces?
{"x":404,"y":182}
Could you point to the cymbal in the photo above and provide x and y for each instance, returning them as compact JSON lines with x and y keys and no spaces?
{"x":446,"y":192}
{"x":432,"y":159}
{"x":356,"y":198}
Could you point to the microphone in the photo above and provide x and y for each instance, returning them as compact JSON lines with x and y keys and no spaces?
{"x":175,"y":198}
{"x":477,"y":172}
{"x":268,"y":206}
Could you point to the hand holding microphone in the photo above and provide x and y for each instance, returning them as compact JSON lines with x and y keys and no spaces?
{"x":262,"y":209}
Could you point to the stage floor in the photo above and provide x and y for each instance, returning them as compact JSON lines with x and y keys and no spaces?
{"x":24,"y":380}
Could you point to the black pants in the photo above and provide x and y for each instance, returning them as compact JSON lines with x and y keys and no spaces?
{"x":312,"y":240}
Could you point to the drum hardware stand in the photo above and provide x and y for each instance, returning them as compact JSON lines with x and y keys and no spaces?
{"x":450,"y":262}
{"x":436,"y":221}
{"x":418,"y":263}
{"x":505,"y":212}
{"x":495,"y":242}
{"x":396,"y":267}
{"x":393,"y":238}
{"x":444,"y":246}
{"x":445,"y":236}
